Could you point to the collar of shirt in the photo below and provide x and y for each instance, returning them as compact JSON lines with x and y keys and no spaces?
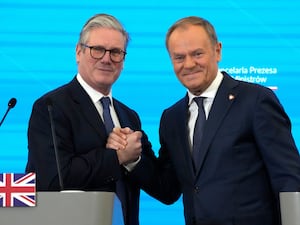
{"x":94,"y":95}
{"x":211,"y":91}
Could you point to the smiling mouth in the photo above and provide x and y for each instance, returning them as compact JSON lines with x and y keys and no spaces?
{"x":191,"y":73}
{"x":105,"y":69}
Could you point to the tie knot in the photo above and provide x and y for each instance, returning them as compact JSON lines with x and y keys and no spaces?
{"x":199,"y":101}
{"x":105,"y":101}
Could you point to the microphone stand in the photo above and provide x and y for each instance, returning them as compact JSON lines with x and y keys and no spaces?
{"x":12,"y":102}
{"x":50,"y":107}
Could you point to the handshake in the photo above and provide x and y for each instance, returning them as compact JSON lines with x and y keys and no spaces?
{"x":127,"y":144}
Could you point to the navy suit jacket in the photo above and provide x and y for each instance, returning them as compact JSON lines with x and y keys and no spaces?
{"x":248,"y":157}
{"x":86,"y":163}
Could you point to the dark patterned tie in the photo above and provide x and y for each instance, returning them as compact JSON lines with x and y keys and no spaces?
{"x":109,"y":125}
{"x":198,"y":132}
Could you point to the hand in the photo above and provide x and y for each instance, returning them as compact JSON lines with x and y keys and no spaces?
{"x":132,"y":150}
{"x":127,"y":143}
{"x":117,"y":139}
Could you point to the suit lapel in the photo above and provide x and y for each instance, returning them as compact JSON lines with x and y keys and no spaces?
{"x":122,"y":114}
{"x":87,"y":107}
{"x":224,"y":98}
{"x":181,"y":127}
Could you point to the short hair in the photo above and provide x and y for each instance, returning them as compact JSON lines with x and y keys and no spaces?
{"x":197,"y":21}
{"x":105,"y":21}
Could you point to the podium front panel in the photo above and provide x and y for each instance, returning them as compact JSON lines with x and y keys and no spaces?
{"x":290,"y":208}
{"x":64,"y":208}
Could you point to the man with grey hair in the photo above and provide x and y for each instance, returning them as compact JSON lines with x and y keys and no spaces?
{"x":79,"y":111}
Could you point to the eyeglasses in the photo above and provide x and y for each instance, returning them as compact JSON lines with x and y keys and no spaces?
{"x":97,"y":52}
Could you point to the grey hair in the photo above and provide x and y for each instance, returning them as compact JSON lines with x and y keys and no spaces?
{"x":197,"y":21}
{"x":105,"y":21}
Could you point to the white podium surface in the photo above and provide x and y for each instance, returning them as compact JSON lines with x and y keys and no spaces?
{"x":65,"y":208}
{"x":290,"y":208}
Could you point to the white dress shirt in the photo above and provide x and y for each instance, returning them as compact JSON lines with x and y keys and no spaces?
{"x":209,"y":95}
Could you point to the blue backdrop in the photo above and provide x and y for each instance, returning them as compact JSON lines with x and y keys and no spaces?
{"x":37,"y":53}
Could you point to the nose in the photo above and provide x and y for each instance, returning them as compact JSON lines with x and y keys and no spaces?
{"x":106,"y":57}
{"x":189,"y":62}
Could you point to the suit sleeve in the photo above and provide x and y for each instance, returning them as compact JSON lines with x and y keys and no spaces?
{"x":156,"y":175}
{"x":272,"y":129}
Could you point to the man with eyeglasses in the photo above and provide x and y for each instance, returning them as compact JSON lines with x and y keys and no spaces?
{"x":82,"y":123}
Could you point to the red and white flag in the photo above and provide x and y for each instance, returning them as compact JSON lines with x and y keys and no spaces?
{"x":17,"y":190}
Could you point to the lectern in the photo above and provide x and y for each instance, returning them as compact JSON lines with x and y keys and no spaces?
{"x":290,"y":208}
{"x":67,"y":208}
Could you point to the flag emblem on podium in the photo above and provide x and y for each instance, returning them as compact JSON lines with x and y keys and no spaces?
{"x":17,"y":190}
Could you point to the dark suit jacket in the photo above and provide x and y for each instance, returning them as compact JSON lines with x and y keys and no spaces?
{"x":81,"y":138}
{"x":248,"y":157}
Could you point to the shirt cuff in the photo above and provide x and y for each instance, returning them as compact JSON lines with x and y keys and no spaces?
{"x":130,"y":166}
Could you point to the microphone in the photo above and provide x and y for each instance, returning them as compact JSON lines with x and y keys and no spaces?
{"x":12,"y":102}
{"x":50,"y":109}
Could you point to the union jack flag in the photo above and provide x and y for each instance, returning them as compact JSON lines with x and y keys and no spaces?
{"x":17,"y":190}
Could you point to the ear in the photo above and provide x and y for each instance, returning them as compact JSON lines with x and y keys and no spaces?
{"x":218,"y":51}
{"x":78,"y":51}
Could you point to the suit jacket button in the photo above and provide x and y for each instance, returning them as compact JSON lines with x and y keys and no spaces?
{"x":196,"y":189}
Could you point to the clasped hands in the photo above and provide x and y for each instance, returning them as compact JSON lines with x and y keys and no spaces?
{"x":127,"y":143}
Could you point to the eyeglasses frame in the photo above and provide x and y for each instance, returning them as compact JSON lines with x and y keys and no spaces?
{"x":105,"y":50}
